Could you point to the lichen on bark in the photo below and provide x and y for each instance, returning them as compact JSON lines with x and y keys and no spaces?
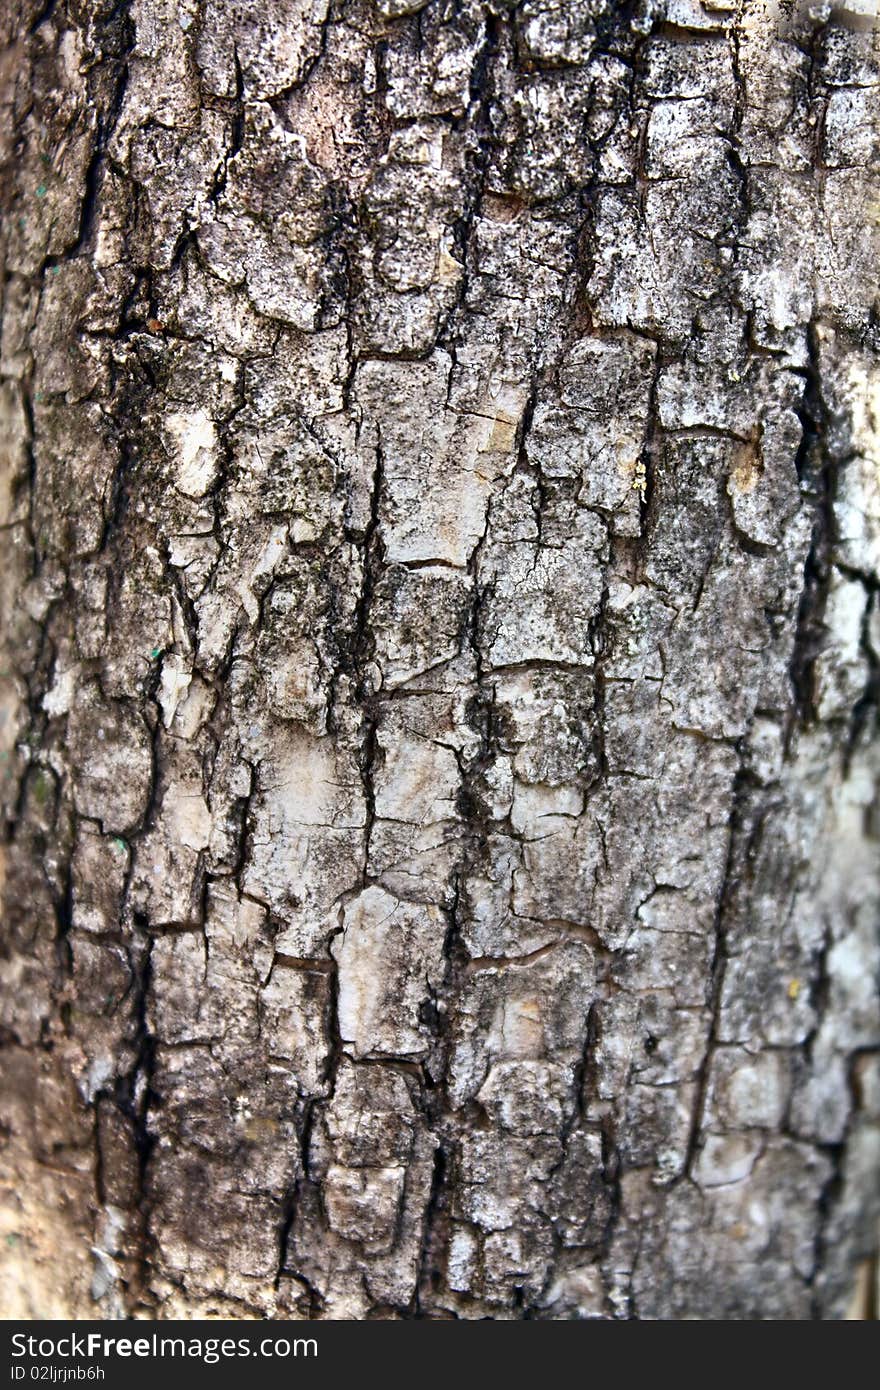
{"x":441,"y":544}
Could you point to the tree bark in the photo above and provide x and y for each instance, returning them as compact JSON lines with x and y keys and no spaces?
{"x":441,"y":538}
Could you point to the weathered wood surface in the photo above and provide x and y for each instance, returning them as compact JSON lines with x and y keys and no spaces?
{"x":440,"y":560}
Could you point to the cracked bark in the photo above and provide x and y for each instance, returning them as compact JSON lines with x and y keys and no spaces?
{"x":441,"y":539}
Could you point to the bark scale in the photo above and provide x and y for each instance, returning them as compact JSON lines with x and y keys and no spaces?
{"x":441,"y":543}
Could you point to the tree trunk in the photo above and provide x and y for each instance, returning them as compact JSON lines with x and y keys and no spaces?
{"x":441,"y":551}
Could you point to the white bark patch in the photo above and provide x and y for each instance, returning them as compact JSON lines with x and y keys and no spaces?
{"x":57,"y":700}
{"x":726,"y":1158}
{"x":857,"y":503}
{"x":393,"y":9}
{"x":188,"y":814}
{"x":263,"y":565}
{"x":536,"y":809}
{"x":418,"y":782}
{"x":194,"y":444}
{"x":842,"y":669}
{"x":176,"y":679}
{"x":439,"y":465}
{"x":293,"y":1005}
{"x":191,"y":709}
{"x":307,"y":844}
{"x":390,"y":956}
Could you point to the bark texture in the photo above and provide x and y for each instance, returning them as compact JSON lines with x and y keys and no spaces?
{"x":440,"y":566}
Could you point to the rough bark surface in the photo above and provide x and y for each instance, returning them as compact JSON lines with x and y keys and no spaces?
{"x":440,"y":567}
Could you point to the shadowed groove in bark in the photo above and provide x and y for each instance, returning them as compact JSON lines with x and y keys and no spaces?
{"x":818,"y":473}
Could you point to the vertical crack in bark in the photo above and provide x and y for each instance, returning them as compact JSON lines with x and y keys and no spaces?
{"x":817,"y":471}
{"x":134,"y":1095}
{"x":363,"y":645}
{"x":738,"y":824}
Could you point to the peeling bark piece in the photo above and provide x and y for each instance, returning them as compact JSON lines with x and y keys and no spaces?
{"x":390,"y":958}
{"x":308,"y":817}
